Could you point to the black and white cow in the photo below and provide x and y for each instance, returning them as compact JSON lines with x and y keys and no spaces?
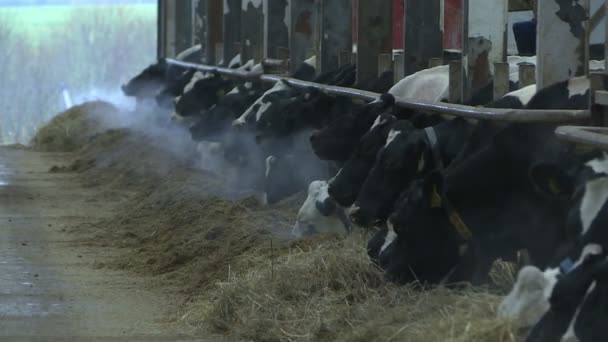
{"x":152,"y":80}
{"x":320,"y":214}
{"x":481,"y":209}
{"x":206,"y":91}
{"x":498,"y":162}
{"x":216,"y":121}
{"x":406,"y":155}
{"x":338,"y":140}
{"x":344,"y":187}
{"x":172,"y":89}
{"x":549,"y":300}
{"x":583,"y":187}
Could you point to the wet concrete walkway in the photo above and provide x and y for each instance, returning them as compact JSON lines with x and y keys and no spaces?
{"x":49,"y":287}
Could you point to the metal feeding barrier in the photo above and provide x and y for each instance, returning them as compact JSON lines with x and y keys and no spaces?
{"x":593,"y":136}
{"x":372,"y":34}
{"x":510,"y":115}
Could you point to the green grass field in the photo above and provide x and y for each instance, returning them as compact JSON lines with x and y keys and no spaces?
{"x":88,"y":49}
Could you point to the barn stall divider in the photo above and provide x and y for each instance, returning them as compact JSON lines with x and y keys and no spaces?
{"x":404,"y":36}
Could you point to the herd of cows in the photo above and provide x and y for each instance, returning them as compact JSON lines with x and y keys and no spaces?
{"x":446,"y":196}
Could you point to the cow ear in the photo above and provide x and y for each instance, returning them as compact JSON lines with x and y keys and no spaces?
{"x":550,"y":180}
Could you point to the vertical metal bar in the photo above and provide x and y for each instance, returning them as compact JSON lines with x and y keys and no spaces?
{"x":501,"y":79}
{"x":398,"y":67}
{"x":170,"y":49}
{"x":598,"y":112}
{"x":303,"y":30}
{"x":606,"y":38}
{"x":561,"y":40}
{"x":276,"y":27}
{"x":527,"y":74}
{"x":232,"y":29}
{"x":455,"y":87}
{"x":336,"y":32}
{"x":184,"y":25}
{"x":213,"y":25}
{"x":374,"y":31}
{"x":463,"y":86}
{"x":160,"y":29}
{"x":423,"y":33}
{"x":252,"y":30}
{"x":385,"y":63}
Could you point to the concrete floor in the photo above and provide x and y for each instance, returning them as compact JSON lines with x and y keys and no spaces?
{"x":49,"y":287}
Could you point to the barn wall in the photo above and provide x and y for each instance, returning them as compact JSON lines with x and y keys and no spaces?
{"x":452,"y":35}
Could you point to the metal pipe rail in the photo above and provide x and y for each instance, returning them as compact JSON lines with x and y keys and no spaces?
{"x":277,"y":63}
{"x":478,"y":113}
{"x":234,"y":73}
{"x":593,"y":136}
{"x":498,"y":114}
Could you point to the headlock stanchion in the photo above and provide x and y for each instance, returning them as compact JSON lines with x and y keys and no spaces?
{"x":252,"y":31}
{"x":303,"y":30}
{"x":232,"y":29}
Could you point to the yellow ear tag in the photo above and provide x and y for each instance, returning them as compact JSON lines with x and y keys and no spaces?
{"x":435,"y":199}
{"x":554,"y":187}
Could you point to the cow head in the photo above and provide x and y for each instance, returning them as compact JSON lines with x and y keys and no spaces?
{"x":173,"y":89}
{"x":344,"y":187}
{"x":585,"y":190}
{"x":423,"y":244}
{"x":534,"y":291}
{"x":204,"y":94}
{"x":319,"y":213}
{"x":402,"y":158}
{"x":148,"y":82}
{"x":338,"y":140}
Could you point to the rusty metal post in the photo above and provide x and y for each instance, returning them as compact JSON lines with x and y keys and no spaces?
{"x":276,"y":30}
{"x":252,"y":31}
{"x":398,"y":67}
{"x":374,"y":32}
{"x":336,"y":32}
{"x":304,"y":30}
{"x":423,"y":33}
{"x":455,"y":87}
{"x":232,"y":29}
{"x":562,"y":44}
{"x":501,"y":79}
{"x":210,"y":13}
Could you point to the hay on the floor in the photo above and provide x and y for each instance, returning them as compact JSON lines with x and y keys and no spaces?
{"x":71,"y":129}
{"x":237,"y":272}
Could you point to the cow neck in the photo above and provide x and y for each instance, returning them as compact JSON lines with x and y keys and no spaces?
{"x":442,"y":201}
